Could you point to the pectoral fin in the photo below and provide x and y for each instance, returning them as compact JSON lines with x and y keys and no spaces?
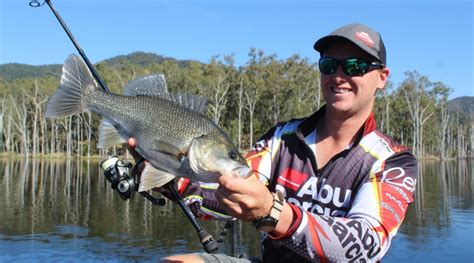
{"x":168,"y":149}
{"x":152,"y":177}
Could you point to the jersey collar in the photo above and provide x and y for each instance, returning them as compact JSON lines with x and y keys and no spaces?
{"x":309,"y":124}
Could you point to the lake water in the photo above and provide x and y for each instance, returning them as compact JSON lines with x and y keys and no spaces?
{"x":66,"y":211}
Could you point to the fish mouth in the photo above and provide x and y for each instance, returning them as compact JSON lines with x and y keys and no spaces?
{"x":207,"y":177}
{"x":242,"y":171}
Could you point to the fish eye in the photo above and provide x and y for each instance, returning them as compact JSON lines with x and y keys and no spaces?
{"x":233,"y":155}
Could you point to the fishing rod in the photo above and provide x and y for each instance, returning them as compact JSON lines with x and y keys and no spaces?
{"x":124,"y":183}
{"x":35,"y":3}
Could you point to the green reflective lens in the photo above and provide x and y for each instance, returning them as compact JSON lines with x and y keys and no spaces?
{"x":327,"y":66}
{"x":351,"y":66}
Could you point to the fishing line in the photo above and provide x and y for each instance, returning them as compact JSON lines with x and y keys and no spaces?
{"x":34,"y":3}
{"x":207,"y":240}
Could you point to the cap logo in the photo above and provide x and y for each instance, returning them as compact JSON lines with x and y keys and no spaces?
{"x":364,"y":37}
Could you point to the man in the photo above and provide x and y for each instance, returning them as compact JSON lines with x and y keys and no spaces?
{"x":329,"y":187}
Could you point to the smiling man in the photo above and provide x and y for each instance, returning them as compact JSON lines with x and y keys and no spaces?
{"x":330,"y":187}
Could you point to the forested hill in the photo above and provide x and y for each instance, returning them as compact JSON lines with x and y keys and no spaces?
{"x":13,"y":71}
{"x":143,"y":59}
{"x":464,"y":104}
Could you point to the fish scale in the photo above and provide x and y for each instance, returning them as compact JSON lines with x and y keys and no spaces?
{"x":136,"y":113}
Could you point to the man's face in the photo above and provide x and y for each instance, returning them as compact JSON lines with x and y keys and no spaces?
{"x":350,"y":95}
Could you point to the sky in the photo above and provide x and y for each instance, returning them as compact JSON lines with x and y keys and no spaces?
{"x":433,"y":37}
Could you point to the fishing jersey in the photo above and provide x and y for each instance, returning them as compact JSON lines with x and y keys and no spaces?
{"x":348,"y":210}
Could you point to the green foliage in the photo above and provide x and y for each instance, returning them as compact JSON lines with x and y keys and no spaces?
{"x":13,"y":71}
{"x":267,"y":89}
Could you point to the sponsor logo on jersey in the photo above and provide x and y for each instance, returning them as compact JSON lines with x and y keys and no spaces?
{"x":323,"y":199}
{"x":396,"y":176}
{"x":292,"y":179}
{"x":358,"y":241}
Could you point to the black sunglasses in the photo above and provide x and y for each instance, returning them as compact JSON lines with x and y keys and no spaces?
{"x":350,"y":66}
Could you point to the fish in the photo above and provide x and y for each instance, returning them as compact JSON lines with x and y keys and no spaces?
{"x":170,"y":129}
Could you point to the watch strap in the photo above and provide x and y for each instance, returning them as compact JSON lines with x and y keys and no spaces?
{"x":268,"y":222}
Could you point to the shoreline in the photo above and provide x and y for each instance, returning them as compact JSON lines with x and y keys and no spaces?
{"x":62,"y":156}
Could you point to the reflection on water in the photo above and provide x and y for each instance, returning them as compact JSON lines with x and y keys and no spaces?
{"x":65,"y":210}
{"x":439,"y":226}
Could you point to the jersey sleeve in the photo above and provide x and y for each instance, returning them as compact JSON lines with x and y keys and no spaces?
{"x":365,"y":233}
{"x":200,"y":198}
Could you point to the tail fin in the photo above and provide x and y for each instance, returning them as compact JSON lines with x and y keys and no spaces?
{"x":76,"y":80}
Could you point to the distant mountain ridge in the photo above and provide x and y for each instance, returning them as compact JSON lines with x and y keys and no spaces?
{"x":13,"y":71}
{"x":463,"y":103}
{"x":143,"y":59}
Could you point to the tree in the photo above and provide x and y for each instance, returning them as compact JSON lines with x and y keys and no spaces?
{"x":303,"y":86}
{"x":442,"y":92}
{"x":37,"y":100}
{"x":2,"y":112}
{"x":21,"y":124}
{"x":254,"y":74}
{"x":383,"y":106}
{"x":240,"y":107}
{"x":217,"y":81}
{"x":415,"y":88}
{"x":245,"y":101}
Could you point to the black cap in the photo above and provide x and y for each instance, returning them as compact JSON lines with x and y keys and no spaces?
{"x":362,"y":36}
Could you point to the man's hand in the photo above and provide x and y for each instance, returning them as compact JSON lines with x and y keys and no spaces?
{"x":244,"y":198}
{"x":140,"y":165}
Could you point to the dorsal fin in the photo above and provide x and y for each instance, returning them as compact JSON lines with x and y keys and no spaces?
{"x":155,"y":85}
{"x":151,"y":85}
{"x":190,"y":101}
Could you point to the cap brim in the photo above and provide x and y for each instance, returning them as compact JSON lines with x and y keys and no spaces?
{"x":324,"y":42}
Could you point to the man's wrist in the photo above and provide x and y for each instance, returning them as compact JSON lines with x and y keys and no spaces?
{"x":287,"y":223}
{"x":268,"y":222}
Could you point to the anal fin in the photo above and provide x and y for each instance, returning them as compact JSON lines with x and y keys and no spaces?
{"x":152,"y":177}
{"x":108,"y":135}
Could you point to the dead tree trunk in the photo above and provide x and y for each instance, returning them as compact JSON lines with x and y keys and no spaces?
{"x":220,"y":90}
{"x":21,"y":125}
{"x":251,"y":105}
{"x":37,"y":102}
{"x":444,"y":125}
{"x":240,"y":106}
{"x":89,"y":134}
{"x":2,"y":113}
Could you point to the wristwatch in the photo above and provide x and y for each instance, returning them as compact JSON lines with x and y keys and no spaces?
{"x":268,"y":222}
